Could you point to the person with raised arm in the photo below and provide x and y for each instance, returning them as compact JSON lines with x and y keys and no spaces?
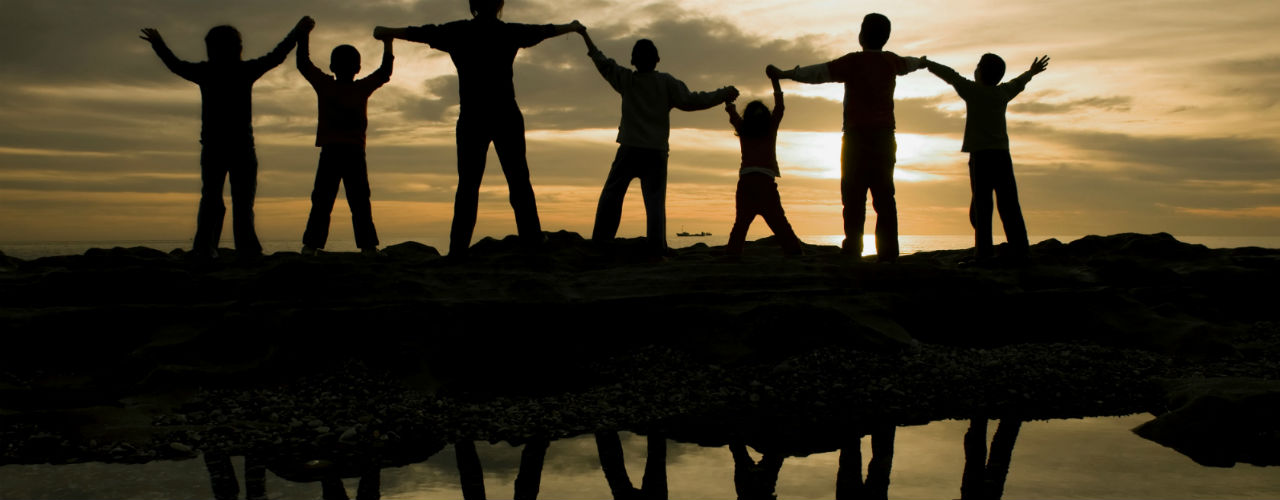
{"x":226,"y":132}
{"x":986,"y":139}
{"x":648,"y":96}
{"x":869,"y":148}
{"x":757,"y":192}
{"x":483,"y":50}
{"x":343,"y":104}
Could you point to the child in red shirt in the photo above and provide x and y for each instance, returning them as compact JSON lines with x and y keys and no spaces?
{"x":757,"y":191}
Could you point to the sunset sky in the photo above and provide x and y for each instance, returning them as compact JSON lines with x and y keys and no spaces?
{"x":1153,"y":116}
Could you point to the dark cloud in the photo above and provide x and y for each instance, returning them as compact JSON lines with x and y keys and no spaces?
{"x":1114,"y":103}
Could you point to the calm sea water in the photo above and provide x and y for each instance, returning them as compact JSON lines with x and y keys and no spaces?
{"x":908,"y":243}
{"x":1077,"y":458}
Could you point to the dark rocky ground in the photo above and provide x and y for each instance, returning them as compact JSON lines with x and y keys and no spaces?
{"x":136,"y":354}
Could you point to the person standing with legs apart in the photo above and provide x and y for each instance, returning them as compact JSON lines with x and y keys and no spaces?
{"x":226,"y":132}
{"x":869,"y":149}
{"x":757,"y":190}
{"x":342,"y":103}
{"x":986,"y":139}
{"x":483,"y":49}
{"x":647,"y":99}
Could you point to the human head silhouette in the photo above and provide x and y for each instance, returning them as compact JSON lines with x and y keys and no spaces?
{"x":223,"y":43}
{"x":344,"y":61}
{"x":875,"y":31}
{"x":486,"y":8}
{"x":990,"y":69}
{"x":755,"y":120}
{"x":644,"y":55}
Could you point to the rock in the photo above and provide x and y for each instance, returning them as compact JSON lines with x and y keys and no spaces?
{"x":1221,"y":421}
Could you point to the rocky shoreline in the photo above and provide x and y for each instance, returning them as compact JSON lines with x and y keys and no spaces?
{"x":130,"y":355}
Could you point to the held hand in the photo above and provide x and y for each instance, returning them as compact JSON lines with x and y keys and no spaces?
{"x":731,"y":94}
{"x":772,"y":72}
{"x":382,"y":33}
{"x":577,"y":27}
{"x":151,"y":35}
{"x":305,"y":25}
{"x":1039,"y":65}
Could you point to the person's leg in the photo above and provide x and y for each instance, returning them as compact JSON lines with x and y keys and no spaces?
{"x":1015,"y":228}
{"x":744,"y":213}
{"x":882,"y":156}
{"x":770,"y":207}
{"x":322,"y":195}
{"x":980,"y":207}
{"x":473,"y":146}
{"x":653,"y":186}
{"x":609,"y":209}
{"x":509,"y":142}
{"x":213,"y":174}
{"x":853,"y":192}
{"x":244,"y":187}
{"x":355,"y":179}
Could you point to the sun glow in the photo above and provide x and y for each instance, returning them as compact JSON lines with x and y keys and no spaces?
{"x":817,"y":154}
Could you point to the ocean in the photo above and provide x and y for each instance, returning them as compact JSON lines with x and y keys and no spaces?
{"x":908,"y":244}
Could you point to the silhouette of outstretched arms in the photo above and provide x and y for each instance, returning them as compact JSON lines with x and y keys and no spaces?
{"x":778,"y":104}
{"x":614,"y":73}
{"x":305,"y":66}
{"x":1016,"y":85}
{"x":824,"y":72}
{"x":946,"y":73}
{"x":184,"y":69}
{"x":684,"y":100}
{"x":277,"y":55}
{"x":440,"y":37}
{"x":382,"y":75}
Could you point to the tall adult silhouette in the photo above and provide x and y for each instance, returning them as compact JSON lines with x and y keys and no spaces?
{"x":226,"y":132}
{"x":869,"y":149}
{"x":483,"y":50}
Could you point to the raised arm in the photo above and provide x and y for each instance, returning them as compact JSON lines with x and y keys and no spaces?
{"x":1015,"y":86}
{"x":778,"y":105}
{"x":684,"y":100}
{"x":817,"y":73}
{"x":383,"y":73}
{"x":945,"y":73}
{"x":305,"y":66}
{"x":735,"y":119}
{"x":184,"y":69}
{"x":614,"y":73}
{"x":277,"y":55}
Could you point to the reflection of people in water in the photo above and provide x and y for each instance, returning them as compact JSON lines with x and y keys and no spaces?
{"x":755,"y":480}
{"x":984,"y":475}
{"x":654,"y":483}
{"x":528,"y":480}
{"x":226,"y":132}
{"x":483,"y":50}
{"x":849,"y":483}
{"x":222,"y":476}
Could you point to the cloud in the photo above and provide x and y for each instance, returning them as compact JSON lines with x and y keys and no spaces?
{"x":1114,"y":103}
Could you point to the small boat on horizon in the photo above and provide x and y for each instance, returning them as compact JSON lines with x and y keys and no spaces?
{"x":684,"y":233}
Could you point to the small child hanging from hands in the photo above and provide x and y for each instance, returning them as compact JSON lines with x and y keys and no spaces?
{"x":757,"y":194}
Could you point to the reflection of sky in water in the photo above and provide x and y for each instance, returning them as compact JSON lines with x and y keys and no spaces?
{"x":1088,"y":458}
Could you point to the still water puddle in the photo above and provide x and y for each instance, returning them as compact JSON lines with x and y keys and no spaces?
{"x":1074,"y":458}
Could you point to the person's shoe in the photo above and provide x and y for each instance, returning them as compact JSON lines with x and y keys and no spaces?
{"x":308,"y":251}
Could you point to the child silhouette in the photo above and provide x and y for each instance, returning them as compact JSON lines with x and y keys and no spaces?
{"x":226,"y":133}
{"x":343,"y":105}
{"x":757,"y":192}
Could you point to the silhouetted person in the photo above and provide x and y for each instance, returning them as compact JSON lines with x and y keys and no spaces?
{"x":653,"y":486}
{"x":984,"y":476}
{"x":483,"y":50}
{"x":755,"y":480}
{"x":226,"y":133}
{"x":647,"y":99}
{"x":342,"y":102}
{"x":757,"y":192}
{"x":986,"y":139}
{"x":849,"y":483}
{"x":869,"y":149}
